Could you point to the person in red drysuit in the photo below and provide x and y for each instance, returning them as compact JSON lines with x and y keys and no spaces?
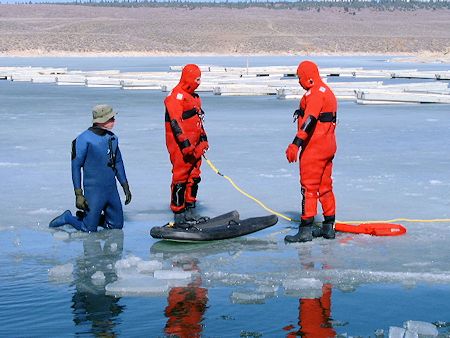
{"x":316,"y":139}
{"x":186,"y":142}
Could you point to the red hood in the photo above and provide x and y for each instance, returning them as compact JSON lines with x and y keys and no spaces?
{"x":188,"y":76}
{"x":308,"y":74}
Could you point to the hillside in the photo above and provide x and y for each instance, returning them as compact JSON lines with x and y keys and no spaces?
{"x":73,"y":30}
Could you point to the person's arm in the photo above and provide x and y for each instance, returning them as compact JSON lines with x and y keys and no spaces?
{"x":203,"y":145}
{"x":79,"y":151}
{"x":175,"y":111}
{"x":313,"y":107}
{"x":120,"y":174}
{"x":310,"y":108}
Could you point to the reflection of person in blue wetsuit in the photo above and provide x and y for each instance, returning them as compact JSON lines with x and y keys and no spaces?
{"x":96,"y":153}
{"x":94,"y":312}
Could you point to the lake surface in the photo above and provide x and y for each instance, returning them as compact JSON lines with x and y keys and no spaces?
{"x":393,"y":161}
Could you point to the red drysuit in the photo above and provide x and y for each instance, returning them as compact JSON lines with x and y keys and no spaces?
{"x":316,"y":137}
{"x":185,"y":138}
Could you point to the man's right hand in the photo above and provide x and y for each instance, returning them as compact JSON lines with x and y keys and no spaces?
{"x":80,"y":200}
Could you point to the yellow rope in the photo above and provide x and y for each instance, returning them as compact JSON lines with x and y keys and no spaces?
{"x":246,"y":194}
{"x":213,"y":167}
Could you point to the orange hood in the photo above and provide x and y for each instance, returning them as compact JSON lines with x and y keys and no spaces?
{"x":188,"y":78}
{"x":308,"y":74}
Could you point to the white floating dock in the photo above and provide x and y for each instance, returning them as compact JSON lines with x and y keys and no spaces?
{"x":247,"y":81}
{"x":378,"y":96}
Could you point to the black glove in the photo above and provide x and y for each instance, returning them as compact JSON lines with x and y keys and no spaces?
{"x":80,"y":200}
{"x":126,"y":190}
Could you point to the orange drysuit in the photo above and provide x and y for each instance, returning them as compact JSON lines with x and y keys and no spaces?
{"x":186,"y":138}
{"x":314,"y":317}
{"x":316,"y":138}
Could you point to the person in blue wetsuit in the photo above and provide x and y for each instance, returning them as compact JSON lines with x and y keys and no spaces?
{"x":96,"y":163}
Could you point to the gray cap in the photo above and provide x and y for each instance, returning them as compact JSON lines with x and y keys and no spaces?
{"x":102,"y":113}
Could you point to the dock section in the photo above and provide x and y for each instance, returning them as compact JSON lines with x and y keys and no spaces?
{"x":363,"y":86}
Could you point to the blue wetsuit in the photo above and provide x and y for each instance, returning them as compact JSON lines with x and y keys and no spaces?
{"x":96,"y":153}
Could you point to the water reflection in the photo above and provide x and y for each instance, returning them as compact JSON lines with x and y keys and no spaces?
{"x":92,"y":309}
{"x":186,"y":305}
{"x":314,"y":317}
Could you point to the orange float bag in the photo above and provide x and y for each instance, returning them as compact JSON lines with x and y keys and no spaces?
{"x":374,"y":229}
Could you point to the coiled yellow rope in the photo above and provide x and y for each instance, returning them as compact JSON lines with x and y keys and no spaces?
{"x":213,"y":167}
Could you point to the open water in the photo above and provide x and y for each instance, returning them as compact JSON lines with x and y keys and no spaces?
{"x":393,"y":161}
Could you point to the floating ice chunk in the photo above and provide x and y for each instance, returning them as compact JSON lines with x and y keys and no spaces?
{"x":125,"y":263}
{"x":79,"y":235}
{"x":98,"y":275}
{"x":127,"y":266}
{"x":5,"y":228}
{"x":172,"y":274}
{"x":142,"y":285}
{"x":396,"y":332}
{"x":435,"y":182}
{"x":17,"y":241}
{"x":303,"y":287}
{"x":61,"y":272}
{"x":247,"y":298}
{"x":98,"y":278}
{"x":268,"y":290}
{"x":149,"y":266}
{"x":411,"y":334}
{"x":130,"y":261}
{"x":422,"y":328}
{"x":61,"y":235}
{"x":379,"y":333}
{"x":9,"y":164}
{"x":43,"y":211}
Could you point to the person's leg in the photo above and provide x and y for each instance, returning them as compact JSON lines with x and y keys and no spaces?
{"x":113,"y":210}
{"x":96,"y":198}
{"x":326,"y":195}
{"x":327,"y":200}
{"x":180,"y":176}
{"x":311,"y":169}
{"x":191,"y":194}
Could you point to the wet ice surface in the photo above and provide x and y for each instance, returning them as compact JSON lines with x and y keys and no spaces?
{"x":393,"y":161}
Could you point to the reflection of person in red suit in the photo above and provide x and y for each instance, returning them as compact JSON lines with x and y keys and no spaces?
{"x":185,"y":310}
{"x":314,"y":317}
{"x":316,"y":139}
{"x":186,"y":142}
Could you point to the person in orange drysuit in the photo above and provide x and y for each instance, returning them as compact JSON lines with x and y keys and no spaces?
{"x":186,"y":142}
{"x":316,"y":139}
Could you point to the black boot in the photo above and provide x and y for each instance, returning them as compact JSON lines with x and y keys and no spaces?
{"x":191,"y":214}
{"x":304,"y":232}
{"x":179,"y":220}
{"x":317,"y":231}
{"x":328,"y":230}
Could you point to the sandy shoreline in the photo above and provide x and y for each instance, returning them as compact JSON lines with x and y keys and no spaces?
{"x":425,"y":57}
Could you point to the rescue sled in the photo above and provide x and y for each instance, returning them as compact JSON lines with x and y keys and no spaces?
{"x":374,"y":229}
{"x":221,"y":227}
